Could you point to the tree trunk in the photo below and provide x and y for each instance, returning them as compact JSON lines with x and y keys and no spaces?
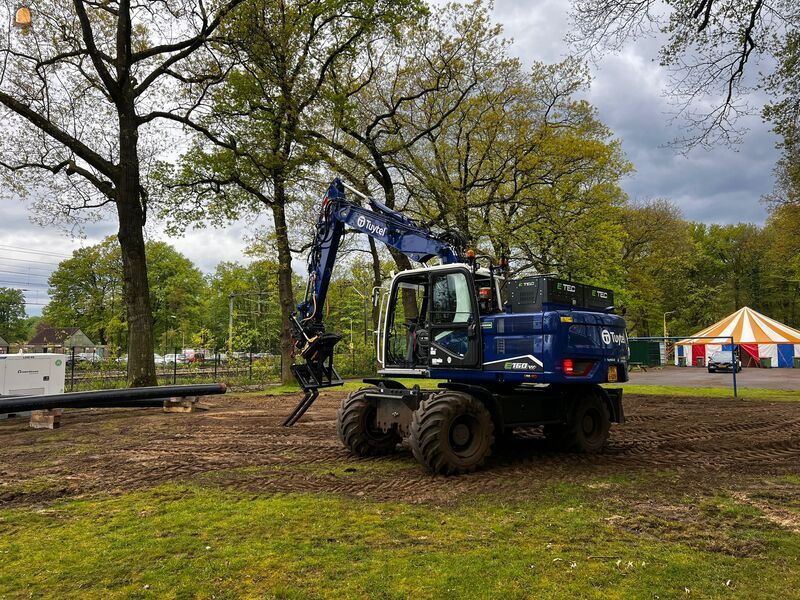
{"x":401,"y":260}
{"x":141,"y":367}
{"x":285,"y":287}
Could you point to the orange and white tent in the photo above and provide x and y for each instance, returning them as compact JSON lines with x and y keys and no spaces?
{"x":757,"y":336}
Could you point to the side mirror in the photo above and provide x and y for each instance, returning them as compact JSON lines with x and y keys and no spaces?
{"x":376,"y":296}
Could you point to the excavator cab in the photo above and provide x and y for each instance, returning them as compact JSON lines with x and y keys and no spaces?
{"x":430,"y":318}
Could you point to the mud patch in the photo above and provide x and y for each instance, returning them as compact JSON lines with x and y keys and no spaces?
{"x":670,"y":449}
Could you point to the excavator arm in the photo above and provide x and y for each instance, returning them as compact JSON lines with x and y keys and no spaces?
{"x":312,"y":343}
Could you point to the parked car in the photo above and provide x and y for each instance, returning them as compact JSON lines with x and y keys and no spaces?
{"x":122,"y":360}
{"x":158,"y":359}
{"x":722,"y":361}
{"x":92,"y":357}
{"x":180,"y":359}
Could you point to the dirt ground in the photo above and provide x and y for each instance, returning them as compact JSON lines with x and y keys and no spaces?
{"x":673,"y":446}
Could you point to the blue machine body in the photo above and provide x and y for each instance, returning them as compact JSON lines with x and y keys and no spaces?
{"x":558,"y":345}
{"x":531,"y":348}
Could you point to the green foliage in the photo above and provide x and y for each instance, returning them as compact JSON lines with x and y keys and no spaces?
{"x":784,"y":113}
{"x":86,"y":292}
{"x":698,"y":273}
{"x":14,"y":326}
{"x":256,"y":309}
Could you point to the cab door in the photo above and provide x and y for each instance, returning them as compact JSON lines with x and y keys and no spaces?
{"x":454,"y":328}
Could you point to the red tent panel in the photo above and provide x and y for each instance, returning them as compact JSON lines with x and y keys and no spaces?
{"x":698,"y":351}
{"x":752,"y":350}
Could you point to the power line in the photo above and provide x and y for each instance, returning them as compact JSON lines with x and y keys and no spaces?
{"x":38,"y":262}
{"x":39,"y":252}
{"x":25,"y":283}
{"x":27,"y":267}
{"x":23,"y":273}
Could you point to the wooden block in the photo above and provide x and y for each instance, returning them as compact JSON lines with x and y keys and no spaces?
{"x":188,"y":404}
{"x":46,"y":419}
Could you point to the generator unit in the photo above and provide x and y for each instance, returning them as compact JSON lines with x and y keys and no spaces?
{"x":544,"y":292}
{"x":32,"y":374}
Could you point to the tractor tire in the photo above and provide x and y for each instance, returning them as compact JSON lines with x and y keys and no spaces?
{"x":556,"y":436}
{"x":355,"y":425}
{"x":588,"y":426}
{"x":451,"y":433}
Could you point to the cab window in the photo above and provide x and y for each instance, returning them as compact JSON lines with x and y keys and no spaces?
{"x":451,"y":300}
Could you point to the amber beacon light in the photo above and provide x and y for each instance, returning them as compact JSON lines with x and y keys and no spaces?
{"x":22,"y":17}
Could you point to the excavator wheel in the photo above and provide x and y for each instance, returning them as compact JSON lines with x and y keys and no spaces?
{"x":451,"y":433}
{"x":355,"y":424}
{"x":588,"y":426}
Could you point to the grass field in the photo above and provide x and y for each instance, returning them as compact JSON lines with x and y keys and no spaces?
{"x":191,"y":541}
{"x":228,"y":504}
{"x":650,"y":390}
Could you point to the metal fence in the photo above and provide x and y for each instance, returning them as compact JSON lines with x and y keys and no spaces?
{"x":241,"y":369}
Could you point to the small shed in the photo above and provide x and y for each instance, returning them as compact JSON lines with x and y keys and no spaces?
{"x":60,"y":339}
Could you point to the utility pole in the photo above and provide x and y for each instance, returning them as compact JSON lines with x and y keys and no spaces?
{"x":364,"y":297}
{"x":230,"y":325}
{"x":667,"y":345}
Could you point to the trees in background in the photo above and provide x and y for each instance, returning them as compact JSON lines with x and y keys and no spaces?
{"x":13,"y":322}
{"x":697,"y":273}
{"x":252,"y":292}
{"x":782,"y":257}
{"x":700,"y":273}
{"x":86,"y":291}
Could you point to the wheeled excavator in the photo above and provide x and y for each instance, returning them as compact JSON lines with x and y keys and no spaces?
{"x":509,"y":353}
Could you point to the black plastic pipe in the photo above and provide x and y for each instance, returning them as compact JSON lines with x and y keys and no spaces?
{"x":107,"y":398}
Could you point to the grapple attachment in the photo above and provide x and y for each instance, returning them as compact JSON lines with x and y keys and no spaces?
{"x":317,"y":372}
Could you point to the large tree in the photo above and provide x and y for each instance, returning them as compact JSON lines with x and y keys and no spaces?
{"x":784,"y":113}
{"x":13,"y":324}
{"x":254,"y":148}
{"x":522,"y":168}
{"x":81,"y":88}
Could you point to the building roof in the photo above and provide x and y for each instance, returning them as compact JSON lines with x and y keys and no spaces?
{"x":3,"y":342}
{"x":747,"y":326}
{"x":57,"y":336}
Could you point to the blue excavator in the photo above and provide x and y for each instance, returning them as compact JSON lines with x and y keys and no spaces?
{"x":510,"y":353}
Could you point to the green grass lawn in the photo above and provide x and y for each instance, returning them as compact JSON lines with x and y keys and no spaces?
{"x":709,"y":392}
{"x":654,"y":390}
{"x":187,"y":541}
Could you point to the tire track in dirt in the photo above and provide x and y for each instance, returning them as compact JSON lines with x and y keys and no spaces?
{"x":241,"y":444}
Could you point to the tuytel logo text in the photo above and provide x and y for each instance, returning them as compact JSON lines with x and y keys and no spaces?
{"x":369,"y":226}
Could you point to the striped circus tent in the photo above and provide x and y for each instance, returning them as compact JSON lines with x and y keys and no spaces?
{"x":757,"y":336}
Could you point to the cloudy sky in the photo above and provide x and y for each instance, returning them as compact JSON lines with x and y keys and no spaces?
{"x":723,"y":185}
